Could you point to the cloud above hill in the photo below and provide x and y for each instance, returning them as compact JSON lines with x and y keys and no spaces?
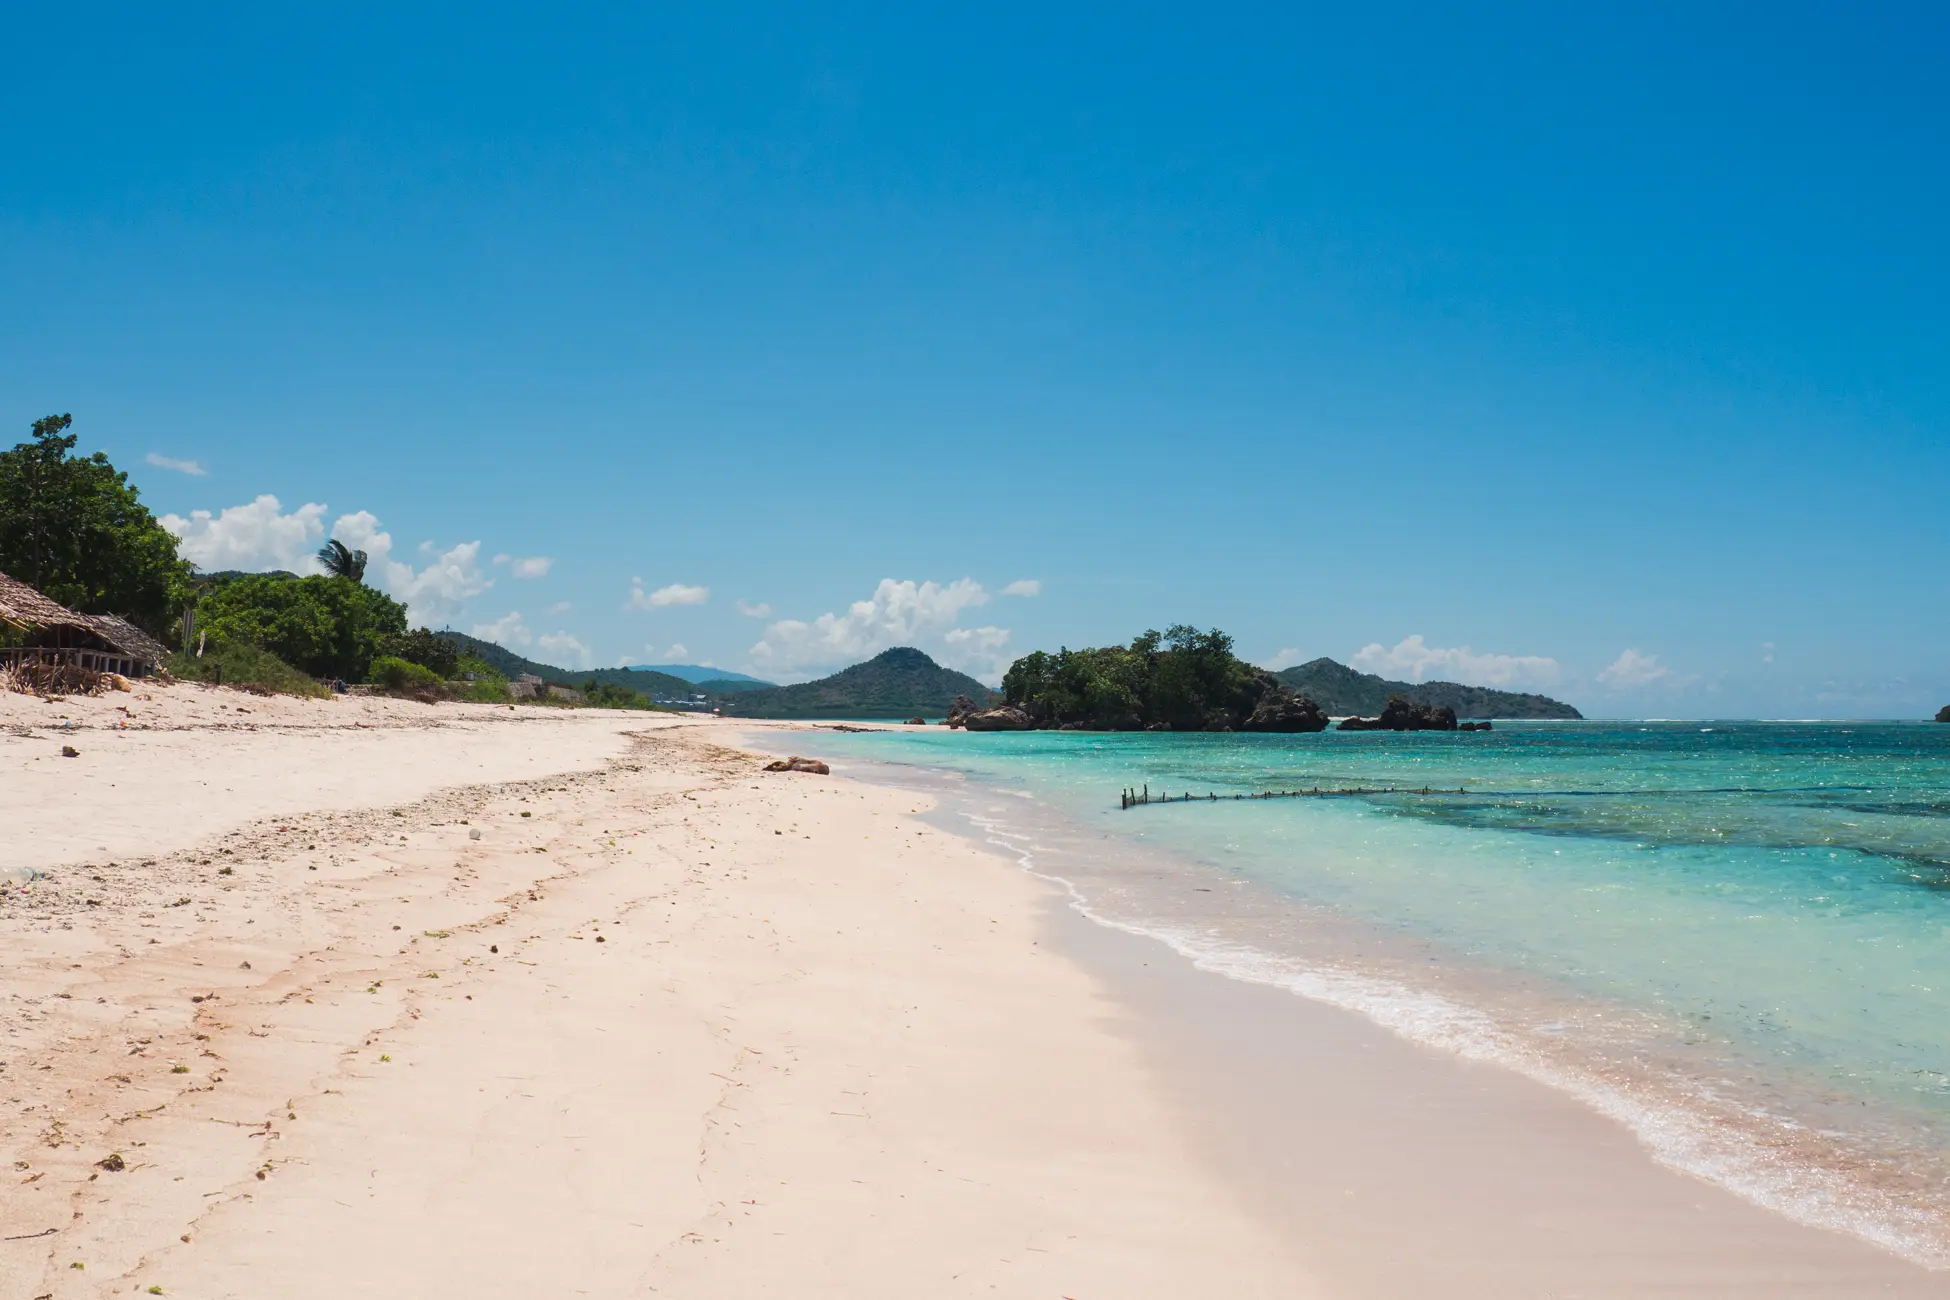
{"x":900,"y":612}
{"x":1414,"y":659}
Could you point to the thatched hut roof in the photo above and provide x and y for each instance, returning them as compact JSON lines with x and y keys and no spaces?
{"x":127,"y":637}
{"x":25,"y":607}
{"x":30,"y":611}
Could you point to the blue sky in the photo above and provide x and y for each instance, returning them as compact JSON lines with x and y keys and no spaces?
{"x":1550,"y":346}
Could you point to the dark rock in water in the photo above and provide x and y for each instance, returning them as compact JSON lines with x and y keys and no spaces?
{"x":1404,"y":714}
{"x":1006,"y":718}
{"x":1943,"y":714}
{"x":916,"y":722}
{"x":1285,"y":712}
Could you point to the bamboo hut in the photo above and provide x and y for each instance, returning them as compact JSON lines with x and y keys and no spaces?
{"x":40,"y":630}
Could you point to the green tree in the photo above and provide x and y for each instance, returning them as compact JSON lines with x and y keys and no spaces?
{"x":73,"y":527}
{"x":429,"y":650}
{"x":328,"y":627}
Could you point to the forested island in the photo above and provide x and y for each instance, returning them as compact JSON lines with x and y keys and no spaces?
{"x":1180,"y":679}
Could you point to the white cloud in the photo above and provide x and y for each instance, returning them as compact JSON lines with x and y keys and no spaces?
{"x":566,"y":651}
{"x":560,"y":607}
{"x":1024,"y":587}
{"x":533,"y":566}
{"x":1286,"y":658}
{"x":192,"y":467}
{"x":1415,"y":660}
{"x":1767,"y":652}
{"x":509,"y":629}
{"x":923,"y":615}
{"x":261,"y":536}
{"x":436,"y":593}
{"x":1633,"y":669}
{"x":754,"y":611}
{"x":675,"y":594}
{"x":255,"y":536}
{"x":677,"y":653}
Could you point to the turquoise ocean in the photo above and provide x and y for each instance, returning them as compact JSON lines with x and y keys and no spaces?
{"x":1732,"y":936}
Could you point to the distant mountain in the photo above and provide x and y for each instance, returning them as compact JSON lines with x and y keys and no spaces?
{"x":700,"y":673}
{"x":896,"y":683}
{"x":731,"y":686}
{"x":1342,"y":691}
{"x":512,"y":665}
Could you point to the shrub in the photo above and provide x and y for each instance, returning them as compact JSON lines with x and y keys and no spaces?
{"x":396,"y":674}
{"x":423,"y":647}
{"x":486,"y":690}
{"x":246,"y":667}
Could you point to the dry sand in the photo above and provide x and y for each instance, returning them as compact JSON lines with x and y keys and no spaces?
{"x":668,"y":1026}
{"x":367,"y":998}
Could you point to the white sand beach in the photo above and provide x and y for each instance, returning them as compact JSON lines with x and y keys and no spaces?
{"x":363,"y":997}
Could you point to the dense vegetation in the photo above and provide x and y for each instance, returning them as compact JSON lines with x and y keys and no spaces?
{"x":1179,"y":680}
{"x":895,"y":683}
{"x":328,"y":627}
{"x":1343,"y":691}
{"x":74,"y":528}
{"x":428,"y":649}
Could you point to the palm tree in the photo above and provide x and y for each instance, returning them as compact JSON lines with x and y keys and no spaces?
{"x":341,"y":561}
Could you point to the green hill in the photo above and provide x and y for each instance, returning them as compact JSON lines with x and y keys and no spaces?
{"x":732,"y":685}
{"x":1342,"y":691}
{"x":512,"y":665}
{"x":896,"y":683}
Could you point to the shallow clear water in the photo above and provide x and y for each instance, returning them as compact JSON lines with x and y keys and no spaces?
{"x":1734,"y":935}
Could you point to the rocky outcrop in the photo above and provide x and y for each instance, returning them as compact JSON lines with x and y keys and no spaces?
{"x":1006,"y":718}
{"x":915,"y":722}
{"x":1473,"y":726}
{"x":958,"y":711}
{"x":1943,"y":714}
{"x":1285,"y":711}
{"x":1404,"y":714}
{"x":796,"y":764}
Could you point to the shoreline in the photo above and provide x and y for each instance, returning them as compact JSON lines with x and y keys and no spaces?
{"x":1765,"y":1211}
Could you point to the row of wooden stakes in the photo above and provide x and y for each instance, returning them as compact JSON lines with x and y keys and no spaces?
{"x":1141,"y":796}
